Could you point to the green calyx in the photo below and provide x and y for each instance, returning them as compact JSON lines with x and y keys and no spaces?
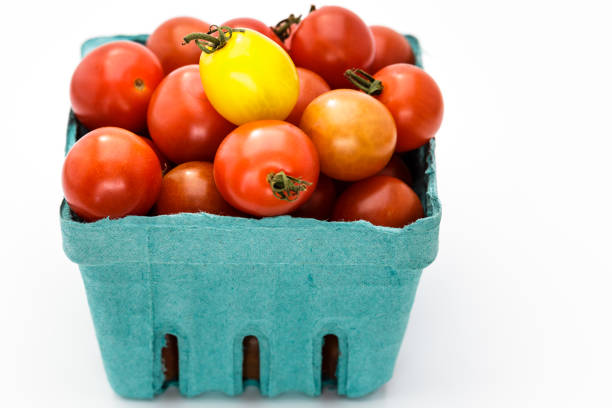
{"x":285,"y":187}
{"x":364,"y":81}
{"x":207,"y":42}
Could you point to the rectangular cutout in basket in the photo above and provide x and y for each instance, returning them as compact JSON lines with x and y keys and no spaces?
{"x":210,"y":281}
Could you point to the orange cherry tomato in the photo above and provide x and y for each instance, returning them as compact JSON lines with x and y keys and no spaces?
{"x":353,"y":132}
{"x":111,"y":172}
{"x":182,"y":122}
{"x":167,"y":42}
{"x":266,"y":168}
{"x":390,"y":47}
{"x":190,"y":187}
{"x":311,"y":86}
{"x":381,"y":200}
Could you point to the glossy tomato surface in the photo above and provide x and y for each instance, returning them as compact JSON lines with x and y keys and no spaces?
{"x":311,"y":86}
{"x":163,"y":160}
{"x":251,"y":78}
{"x":111,"y":172}
{"x":190,"y":187}
{"x":381,"y":200}
{"x":331,"y":40}
{"x":320,"y":205}
{"x":254,"y":155}
{"x":353,"y":133}
{"x":253,"y":24}
{"x":112,"y":86}
{"x":182,"y":122}
{"x":398,"y":169}
{"x":390,"y":47}
{"x":167,"y":42}
{"x":414,"y":100}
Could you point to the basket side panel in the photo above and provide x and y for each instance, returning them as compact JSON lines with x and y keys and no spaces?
{"x":119,"y":299}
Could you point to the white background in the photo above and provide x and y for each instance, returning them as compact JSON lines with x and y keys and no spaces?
{"x":515,"y":312}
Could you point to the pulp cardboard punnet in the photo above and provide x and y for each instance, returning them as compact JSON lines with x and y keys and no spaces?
{"x":212,"y":280}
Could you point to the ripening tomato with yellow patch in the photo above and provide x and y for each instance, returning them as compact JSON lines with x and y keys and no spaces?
{"x":246,"y":76}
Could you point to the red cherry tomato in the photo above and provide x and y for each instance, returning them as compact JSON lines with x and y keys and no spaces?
{"x":190,"y":187}
{"x":182,"y":122}
{"x":111,"y":172}
{"x":167,"y":42}
{"x":398,"y":169}
{"x":163,"y":160}
{"x":331,"y":40}
{"x":112,"y":86}
{"x":390,"y":47}
{"x":245,"y":22}
{"x":381,"y":200}
{"x":311,"y":86}
{"x":321,"y":202}
{"x":266,"y":168}
{"x":414,"y":100}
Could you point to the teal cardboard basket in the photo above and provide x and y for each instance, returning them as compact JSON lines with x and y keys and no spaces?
{"x":212,"y":280}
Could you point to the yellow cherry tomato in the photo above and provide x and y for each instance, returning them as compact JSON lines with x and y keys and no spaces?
{"x":246,"y":76}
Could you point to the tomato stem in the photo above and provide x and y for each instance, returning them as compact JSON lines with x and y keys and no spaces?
{"x":285,"y":187}
{"x":282,"y":29}
{"x":364,"y":81}
{"x":207,"y":42}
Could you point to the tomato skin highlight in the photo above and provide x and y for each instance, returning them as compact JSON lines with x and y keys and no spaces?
{"x":182,"y":122}
{"x":166,"y":42}
{"x":320,"y":205}
{"x":252,"y":152}
{"x":398,"y":169}
{"x":331,"y":40}
{"x":190,"y":187}
{"x":353,"y":132}
{"x":253,"y":24}
{"x":251,"y":78}
{"x":112,"y":86}
{"x":111,"y":172}
{"x":311,"y":86}
{"x":414,"y":100}
{"x":381,"y":200}
{"x":390,"y":47}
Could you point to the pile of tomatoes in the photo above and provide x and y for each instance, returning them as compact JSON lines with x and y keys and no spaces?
{"x":243,"y":119}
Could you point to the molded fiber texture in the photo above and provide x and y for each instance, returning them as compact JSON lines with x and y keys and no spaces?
{"x":212,"y":280}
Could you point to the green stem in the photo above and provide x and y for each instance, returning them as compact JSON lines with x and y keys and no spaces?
{"x":285,"y":187}
{"x":207,"y":42}
{"x":283,"y":28}
{"x":364,"y":81}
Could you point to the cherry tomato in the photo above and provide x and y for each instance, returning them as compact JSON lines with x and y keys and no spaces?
{"x":353,"y":132}
{"x":412,"y":97}
{"x":165,"y":164}
{"x":112,"y":86}
{"x":166,"y":42}
{"x":321,"y":202}
{"x":390,"y":47}
{"x":111,"y":172}
{"x":266,"y":168}
{"x":190,"y":187}
{"x":247,"y":78}
{"x":311,"y":86}
{"x":245,"y":22}
{"x":398,"y":169}
{"x":331,"y":40}
{"x":182,"y":122}
{"x":381,"y":200}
